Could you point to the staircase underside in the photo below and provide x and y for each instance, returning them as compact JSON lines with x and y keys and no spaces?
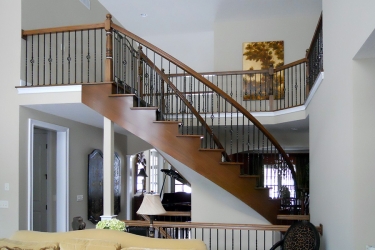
{"x":186,"y":149}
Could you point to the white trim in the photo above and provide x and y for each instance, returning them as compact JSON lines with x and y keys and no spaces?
{"x":279,"y":112}
{"x":107,"y":217}
{"x":62,"y":174}
{"x":315,"y":87}
{"x":50,"y":89}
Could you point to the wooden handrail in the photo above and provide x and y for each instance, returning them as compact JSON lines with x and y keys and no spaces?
{"x":177,"y":213}
{"x":244,"y":72}
{"x":289,"y":65}
{"x":63,"y":29}
{"x":278,"y":228}
{"x":220,"y":92}
{"x":223,"y":73}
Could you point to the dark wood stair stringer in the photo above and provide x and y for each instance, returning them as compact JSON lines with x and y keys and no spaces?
{"x":186,"y":149}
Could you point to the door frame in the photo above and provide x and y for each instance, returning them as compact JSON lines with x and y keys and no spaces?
{"x":62,"y":173}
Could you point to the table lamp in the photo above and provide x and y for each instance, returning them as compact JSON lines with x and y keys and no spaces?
{"x":151,"y":205}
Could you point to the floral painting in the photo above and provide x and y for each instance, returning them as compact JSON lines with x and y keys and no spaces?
{"x":259,"y":56}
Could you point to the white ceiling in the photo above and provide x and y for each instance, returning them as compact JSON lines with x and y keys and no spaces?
{"x":182,"y":16}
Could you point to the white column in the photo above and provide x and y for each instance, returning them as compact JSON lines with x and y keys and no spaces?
{"x":108,"y":158}
{"x":129,"y":186}
{"x":160,"y":174}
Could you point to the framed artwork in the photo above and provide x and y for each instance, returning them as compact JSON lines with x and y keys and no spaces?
{"x":259,"y":56}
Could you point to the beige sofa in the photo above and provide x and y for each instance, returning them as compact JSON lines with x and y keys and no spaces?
{"x":94,"y":239}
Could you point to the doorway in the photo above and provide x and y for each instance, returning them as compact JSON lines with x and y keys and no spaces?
{"x":57,"y":199}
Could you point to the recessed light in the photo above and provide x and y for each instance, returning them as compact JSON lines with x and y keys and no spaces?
{"x":143,"y":15}
{"x":294,"y":129}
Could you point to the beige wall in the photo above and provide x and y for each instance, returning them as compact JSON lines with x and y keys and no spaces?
{"x":10,"y":44}
{"x":296,"y":32}
{"x":200,"y":56}
{"x":211,"y":203}
{"x":83,"y":139}
{"x":363,"y":168}
{"x":37,"y":14}
{"x":341,"y":129}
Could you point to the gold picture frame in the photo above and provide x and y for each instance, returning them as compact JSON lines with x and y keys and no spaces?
{"x":260,"y":56}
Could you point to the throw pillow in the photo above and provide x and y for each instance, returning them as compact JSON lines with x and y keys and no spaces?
{"x":7,"y":244}
{"x":88,"y":244}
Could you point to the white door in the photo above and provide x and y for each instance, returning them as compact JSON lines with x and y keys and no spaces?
{"x":40,"y":180}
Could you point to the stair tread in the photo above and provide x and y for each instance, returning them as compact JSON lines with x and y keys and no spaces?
{"x":120,"y":95}
{"x":249,"y":176}
{"x":212,"y":149}
{"x":144,"y":108}
{"x":231,"y":163}
{"x":263,"y":188}
{"x":293,"y":217}
{"x":175,"y":122}
{"x":200,"y":136}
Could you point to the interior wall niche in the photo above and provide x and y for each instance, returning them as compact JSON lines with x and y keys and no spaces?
{"x":95,"y":185}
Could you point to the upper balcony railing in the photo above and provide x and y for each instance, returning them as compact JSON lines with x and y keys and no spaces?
{"x":76,"y":55}
{"x":261,"y":90}
{"x":314,"y":54}
{"x":66,"y":55}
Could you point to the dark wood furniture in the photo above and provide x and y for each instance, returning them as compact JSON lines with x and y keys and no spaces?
{"x":95,"y":185}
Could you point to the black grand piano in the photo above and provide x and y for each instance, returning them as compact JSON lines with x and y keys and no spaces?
{"x":178,"y":201}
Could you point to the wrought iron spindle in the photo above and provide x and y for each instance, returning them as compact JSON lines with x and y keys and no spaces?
{"x":44,"y":59}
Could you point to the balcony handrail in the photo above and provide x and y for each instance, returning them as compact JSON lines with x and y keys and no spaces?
{"x":243,"y":72}
{"x":232,"y":226}
{"x":63,"y":29}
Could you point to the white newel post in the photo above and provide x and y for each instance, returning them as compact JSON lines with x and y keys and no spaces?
{"x":108,"y":158}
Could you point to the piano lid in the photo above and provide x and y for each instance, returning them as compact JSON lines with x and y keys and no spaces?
{"x":175,"y":175}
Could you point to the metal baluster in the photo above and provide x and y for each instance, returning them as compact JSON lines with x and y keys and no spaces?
{"x":88,"y":56}
{"x":44,"y":59}
{"x":248,"y":240}
{"x":69,"y":58}
{"x":50,"y":59}
{"x":264,"y":240}
{"x":75,"y":56}
{"x":232,"y":239}
{"x":32,"y":60}
{"x":56,"y":58}
{"x":225,"y":239}
{"x":38,"y":83}
{"x":26,"y":57}
{"x":95,"y":70}
{"x":81,"y":56}
{"x":101,"y":55}
{"x":217,"y":239}
{"x":62,"y":57}
{"x":191,"y":102}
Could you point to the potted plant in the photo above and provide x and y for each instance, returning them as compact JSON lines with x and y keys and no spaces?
{"x":113,"y":224}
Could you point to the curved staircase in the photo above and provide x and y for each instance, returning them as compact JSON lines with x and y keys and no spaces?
{"x":164,"y":135}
